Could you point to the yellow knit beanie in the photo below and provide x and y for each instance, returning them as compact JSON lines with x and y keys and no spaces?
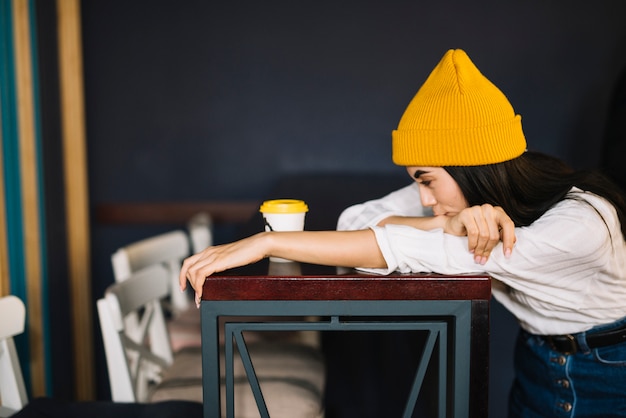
{"x":457,"y":118}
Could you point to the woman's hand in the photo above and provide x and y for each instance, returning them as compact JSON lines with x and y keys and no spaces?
{"x":199,"y":266}
{"x":485,"y":226}
{"x":332,"y":248}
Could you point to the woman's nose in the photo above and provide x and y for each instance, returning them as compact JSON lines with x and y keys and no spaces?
{"x":428,"y":200}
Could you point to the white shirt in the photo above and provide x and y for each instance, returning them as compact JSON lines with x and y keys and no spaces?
{"x":567,"y":272}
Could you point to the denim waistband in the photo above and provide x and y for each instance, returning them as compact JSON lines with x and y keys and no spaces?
{"x":581,"y":337}
{"x":585,"y":341}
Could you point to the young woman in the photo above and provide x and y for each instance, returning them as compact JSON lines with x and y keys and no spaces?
{"x":552,"y":238}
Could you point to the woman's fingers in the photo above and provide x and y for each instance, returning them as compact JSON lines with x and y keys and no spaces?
{"x":486,"y":226}
{"x":507,"y":234}
{"x":182,"y":276}
{"x":195,"y":270}
{"x":198,"y":267}
{"x":480,"y":233}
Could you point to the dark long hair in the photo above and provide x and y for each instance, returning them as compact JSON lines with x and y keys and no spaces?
{"x":527,"y":186}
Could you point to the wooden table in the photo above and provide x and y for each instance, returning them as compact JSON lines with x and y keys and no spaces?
{"x":453,"y":309}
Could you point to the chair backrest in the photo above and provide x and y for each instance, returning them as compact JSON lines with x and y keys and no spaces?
{"x":12,"y":390}
{"x":135,"y":356}
{"x":168,"y":249}
{"x":200,"y":228}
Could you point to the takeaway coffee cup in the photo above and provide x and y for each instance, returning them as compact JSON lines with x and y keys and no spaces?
{"x":283,"y":215}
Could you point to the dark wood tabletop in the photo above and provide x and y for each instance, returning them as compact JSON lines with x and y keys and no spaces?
{"x":294,"y":281}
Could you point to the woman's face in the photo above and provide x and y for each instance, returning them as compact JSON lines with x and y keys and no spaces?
{"x":438,"y":190}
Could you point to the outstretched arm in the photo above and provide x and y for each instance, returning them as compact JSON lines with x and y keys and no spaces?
{"x":485,"y":226}
{"x":334,"y":248}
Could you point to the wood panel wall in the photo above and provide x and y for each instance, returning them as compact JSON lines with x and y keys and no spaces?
{"x":76,"y":198}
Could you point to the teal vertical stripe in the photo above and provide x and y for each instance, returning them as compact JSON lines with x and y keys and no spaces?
{"x":45,"y":302}
{"x":10,"y":151}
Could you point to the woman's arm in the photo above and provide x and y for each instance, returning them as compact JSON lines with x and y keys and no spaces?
{"x":485,"y":226}
{"x":335,"y":248}
{"x":346,"y":248}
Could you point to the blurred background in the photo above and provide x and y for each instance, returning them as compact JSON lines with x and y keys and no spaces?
{"x":220,"y":101}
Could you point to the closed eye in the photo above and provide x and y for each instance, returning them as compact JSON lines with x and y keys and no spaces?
{"x":418,"y":177}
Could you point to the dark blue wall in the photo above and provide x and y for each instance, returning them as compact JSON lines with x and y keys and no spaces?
{"x":204,"y":99}
{"x":196,"y":99}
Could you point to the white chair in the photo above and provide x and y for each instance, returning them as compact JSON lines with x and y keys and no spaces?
{"x":136,"y":353}
{"x":143,"y":368}
{"x":12,"y":390}
{"x":200,"y":229}
{"x":168,"y":249}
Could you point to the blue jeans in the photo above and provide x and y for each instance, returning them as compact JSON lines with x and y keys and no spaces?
{"x":588,"y":383}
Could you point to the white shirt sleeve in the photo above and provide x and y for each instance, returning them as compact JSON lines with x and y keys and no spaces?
{"x":571,"y":231}
{"x":402,"y":202}
{"x":555,"y":262}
